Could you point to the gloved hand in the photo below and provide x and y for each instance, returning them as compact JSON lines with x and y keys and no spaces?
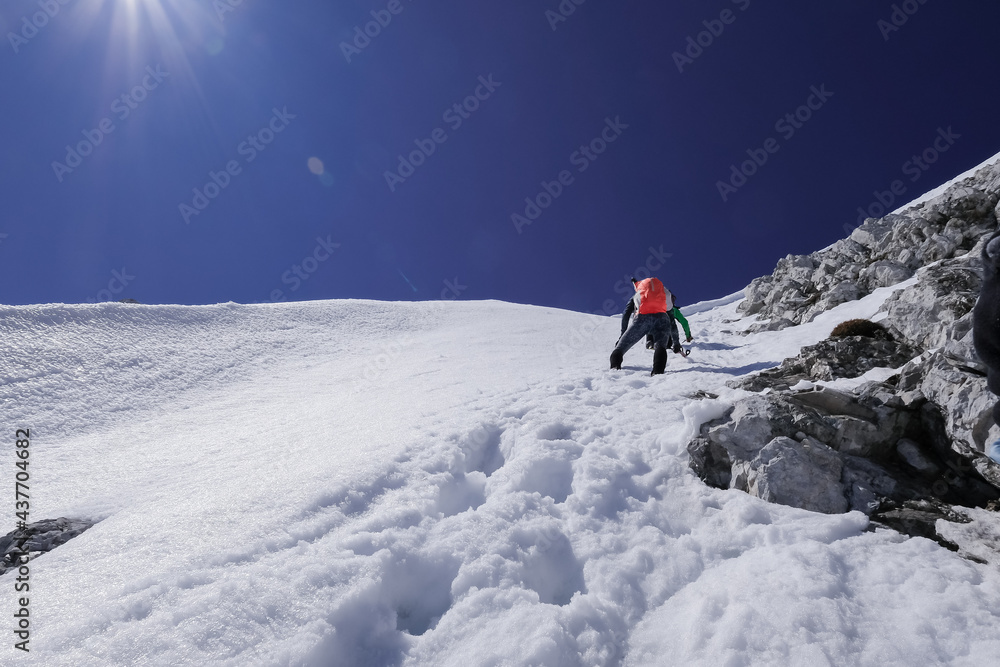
{"x":689,"y":339}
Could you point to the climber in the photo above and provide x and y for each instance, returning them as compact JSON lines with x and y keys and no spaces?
{"x":653,"y":305}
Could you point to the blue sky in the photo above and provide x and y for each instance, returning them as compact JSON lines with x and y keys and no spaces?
{"x":199,"y":151}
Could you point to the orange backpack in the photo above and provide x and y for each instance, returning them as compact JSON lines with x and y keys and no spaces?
{"x":653,"y":296}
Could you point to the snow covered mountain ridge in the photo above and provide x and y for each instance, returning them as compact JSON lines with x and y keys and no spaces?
{"x":932,"y":248}
{"x":365,"y":483}
{"x":881,"y":252}
{"x":920,"y":432}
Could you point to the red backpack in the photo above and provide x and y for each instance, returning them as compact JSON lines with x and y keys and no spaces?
{"x":653,"y":296}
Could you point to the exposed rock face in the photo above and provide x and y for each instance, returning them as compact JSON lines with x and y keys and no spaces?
{"x":959,"y":391}
{"x":831,"y":451}
{"x":907,"y":451}
{"x":879,"y":253}
{"x":38,"y":538}
{"x":918,"y":518}
{"x":939,"y":242}
{"x":805,"y":474}
{"x":928,"y":313}
{"x":848,"y":357}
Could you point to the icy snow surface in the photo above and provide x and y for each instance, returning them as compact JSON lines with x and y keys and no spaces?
{"x":364,"y":483}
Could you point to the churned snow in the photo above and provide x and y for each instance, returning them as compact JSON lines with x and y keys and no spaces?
{"x":367,"y":483}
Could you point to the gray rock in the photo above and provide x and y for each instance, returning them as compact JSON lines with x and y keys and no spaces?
{"x":800,"y":474}
{"x":830,"y":451}
{"x":867,"y":484}
{"x":884,"y":273}
{"x":925,"y":314}
{"x":879,"y":253}
{"x":38,"y":538}
{"x":847,"y":357}
{"x":963,"y":398}
{"x":907,"y":450}
{"x":870,"y":438}
{"x":834,"y":402}
{"x":770,"y":325}
{"x":710,"y":462}
{"x":751,"y":425}
{"x":912,"y":399}
{"x":840,"y":293}
{"x":872,"y":232}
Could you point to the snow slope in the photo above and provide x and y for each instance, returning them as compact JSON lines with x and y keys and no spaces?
{"x":365,"y":483}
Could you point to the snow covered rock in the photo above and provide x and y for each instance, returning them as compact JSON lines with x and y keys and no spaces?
{"x":38,"y":538}
{"x":831,"y":451}
{"x":879,"y":253}
{"x":917,"y":437}
{"x":847,"y":357}
{"x":923,"y":518}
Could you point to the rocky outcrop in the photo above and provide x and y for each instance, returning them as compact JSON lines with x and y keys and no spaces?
{"x":937,"y":243}
{"x":873,"y":450}
{"x":907,"y":451}
{"x":37,"y":538}
{"x":848,"y":357}
{"x":880,"y":253}
{"x":958,"y":389}
{"x":928,"y":313}
{"x":919,"y":518}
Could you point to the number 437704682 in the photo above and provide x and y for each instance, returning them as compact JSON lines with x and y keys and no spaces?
{"x":22,"y":476}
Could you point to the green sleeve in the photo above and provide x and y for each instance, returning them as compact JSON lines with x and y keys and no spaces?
{"x":684,"y":322}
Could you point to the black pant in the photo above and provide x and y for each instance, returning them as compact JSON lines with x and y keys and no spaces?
{"x":658,"y":325}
